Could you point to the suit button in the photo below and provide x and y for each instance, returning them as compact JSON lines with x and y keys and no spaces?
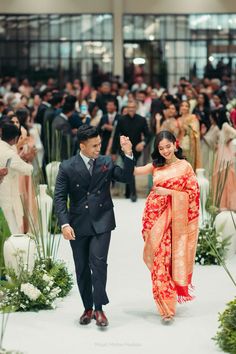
{"x":100,"y":205}
{"x":99,"y":192}
{"x":86,"y":206}
{"x":77,"y":185}
{"x":88,"y":193}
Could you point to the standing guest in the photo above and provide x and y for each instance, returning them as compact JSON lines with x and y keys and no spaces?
{"x":218,"y":90}
{"x":63,"y":138}
{"x":107,"y":124}
{"x":86,"y":179}
{"x":209,"y":142}
{"x":189,"y":135}
{"x":104,"y":95}
{"x":49,"y":115}
{"x":219,"y":110}
{"x":135,"y":127}
{"x":169,"y":122}
{"x":169,"y":231}
{"x":27,"y":151}
{"x":202,"y":109}
{"x":139,"y":84}
{"x":143,"y":105}
{"x":122,"y":98}
{"x":46,"y":96}
{"x":10,"y":200}
{"x":94,"y":115}
{"x":224,"y":167}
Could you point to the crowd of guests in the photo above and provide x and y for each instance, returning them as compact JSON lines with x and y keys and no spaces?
{"x":39,"y":124}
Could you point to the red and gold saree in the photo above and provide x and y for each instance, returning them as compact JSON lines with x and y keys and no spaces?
{"x":170,"y":231}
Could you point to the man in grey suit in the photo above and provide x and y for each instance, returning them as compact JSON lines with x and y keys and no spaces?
{"x":88,"y":222}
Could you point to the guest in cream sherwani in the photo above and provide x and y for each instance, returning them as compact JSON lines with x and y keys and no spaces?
{"x":10,"y":200}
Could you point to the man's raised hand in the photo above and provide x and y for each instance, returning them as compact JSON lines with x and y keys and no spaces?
{"x":126,"y":145}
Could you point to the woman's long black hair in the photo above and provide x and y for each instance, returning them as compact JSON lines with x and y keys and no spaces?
{"x":158,"y":160}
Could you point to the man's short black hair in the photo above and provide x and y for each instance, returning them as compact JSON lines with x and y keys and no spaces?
{"x":68,"y":107}
{"x":44,"y":93}
{"x":86,"y":132}
{"x":9,"y":131}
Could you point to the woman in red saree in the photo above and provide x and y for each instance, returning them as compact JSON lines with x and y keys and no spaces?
{"x":170,"y":224}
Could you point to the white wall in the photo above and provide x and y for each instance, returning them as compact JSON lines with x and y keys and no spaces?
{"x":129,"y":6}
{"x":181,"y":6}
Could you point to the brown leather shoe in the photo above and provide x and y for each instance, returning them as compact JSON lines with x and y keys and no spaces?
{"x":100,"y":318}
{"x":86,"y":317}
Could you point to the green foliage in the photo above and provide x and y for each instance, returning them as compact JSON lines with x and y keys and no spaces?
{"x":61,"y":276}
{"x":226,"y":335}
{"x":54,"y":226}
{"x":4,"y":234}
{"x":210,"y":240}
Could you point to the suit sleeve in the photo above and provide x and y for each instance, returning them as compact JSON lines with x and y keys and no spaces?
{"x":115,"y":143}
{"x":124,"y":174}
{"x":60,"y":197}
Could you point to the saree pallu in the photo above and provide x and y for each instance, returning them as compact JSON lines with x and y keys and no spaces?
{"x":170,"y":231}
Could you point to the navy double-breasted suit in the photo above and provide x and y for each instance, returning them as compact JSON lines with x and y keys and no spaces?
{"x":89,"y":211}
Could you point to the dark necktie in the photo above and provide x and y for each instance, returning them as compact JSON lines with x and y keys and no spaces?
{"x":90,"y":162}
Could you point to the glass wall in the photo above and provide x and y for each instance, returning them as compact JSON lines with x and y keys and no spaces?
{"x":178,"y":45}
{"x":65,"y":47}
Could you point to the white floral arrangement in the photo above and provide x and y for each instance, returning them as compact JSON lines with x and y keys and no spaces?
{"x":37,"y":290}
{"x":210,"y":242}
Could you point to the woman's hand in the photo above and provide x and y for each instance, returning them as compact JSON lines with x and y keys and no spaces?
{"x":163,"y":191}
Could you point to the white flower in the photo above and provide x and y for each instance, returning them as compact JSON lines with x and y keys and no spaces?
{"x":202,"y":261}
{"x":47,"y":278}
{"x":55,"y":292}
{"x":31,"y":291}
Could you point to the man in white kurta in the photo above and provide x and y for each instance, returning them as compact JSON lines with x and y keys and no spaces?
{"x":10,"y":200}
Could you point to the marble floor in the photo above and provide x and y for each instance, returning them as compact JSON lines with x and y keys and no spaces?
{"x":135,"y":326}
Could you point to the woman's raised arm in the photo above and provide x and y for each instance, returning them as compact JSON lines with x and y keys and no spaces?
{"x":143,"y":170}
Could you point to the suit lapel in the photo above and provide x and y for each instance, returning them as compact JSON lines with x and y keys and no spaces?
{"x":82,"y":169}
{"x":97,"y":172}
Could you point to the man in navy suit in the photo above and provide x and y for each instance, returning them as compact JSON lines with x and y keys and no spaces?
{"x":88,"y":222}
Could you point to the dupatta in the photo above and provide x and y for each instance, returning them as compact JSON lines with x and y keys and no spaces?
{"x":179,"y":213}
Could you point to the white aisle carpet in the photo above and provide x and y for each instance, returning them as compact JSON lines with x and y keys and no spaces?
{"x":134,"y":323}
